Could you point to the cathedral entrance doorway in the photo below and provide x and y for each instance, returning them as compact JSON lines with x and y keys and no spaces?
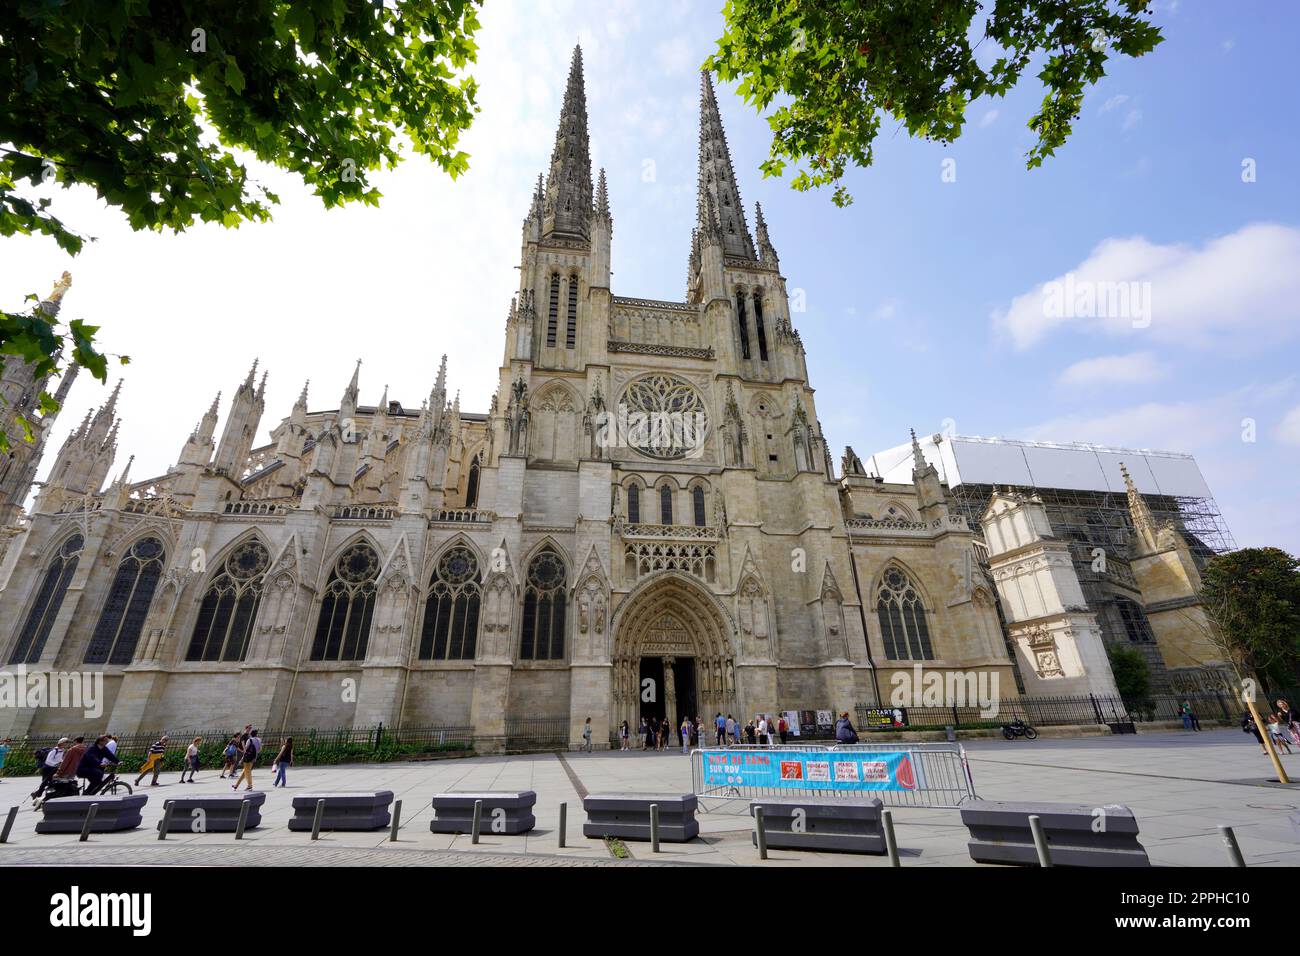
{"x":673,"y":654}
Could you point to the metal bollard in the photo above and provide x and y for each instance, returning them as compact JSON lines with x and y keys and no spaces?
{"x":478,"y":819}
{"x":761,"y":830}
{"x":9,"y":824}
{"x":244,"y":807}
{"x":166,"y":820}
{"x":891,"y":844}
{"x":320,"y":816}
{"x":397,"y":822}
{"x":564,"y":812}
{"x":90,"y":820}
{"x":654,"y":828}
{"x":1230,"y":841}
{"x":1040,"y":840}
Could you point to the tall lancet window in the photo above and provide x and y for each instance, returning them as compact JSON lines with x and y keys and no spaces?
{"x":471,"y":486}
{"x":758,"y":326}
{"x":553,"y":315}
{"x":31,"y":639}
{"x":697,"y":505}
{"x":665,"y":504}
{"x":571,"y":330}
{"x":902,"y":619}
{"x":343,"y":629}
{"x":229,"y":606}
{"x":451,"y":613}
{"x":633,"y":504}
{"x":542,"y":637}
{"x":743,"y":324}
{"x":129,"y":596}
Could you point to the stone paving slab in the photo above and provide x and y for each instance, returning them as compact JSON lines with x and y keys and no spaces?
{"x":1180,"y":787}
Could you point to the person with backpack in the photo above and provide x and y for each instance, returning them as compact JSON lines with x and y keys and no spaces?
{"x":48,"y":759}
{"x":249,"y":758}
{"x":283,"y":760}
{"x":154,"y":762}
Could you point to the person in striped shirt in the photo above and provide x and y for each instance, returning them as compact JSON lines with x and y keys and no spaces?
{"x":154,"y":761}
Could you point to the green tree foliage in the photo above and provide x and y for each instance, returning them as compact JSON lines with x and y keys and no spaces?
{"x":1132,"y":675}
{"x":155,"y":104}
{"x":1254,"y":597}
{"x":839,"y":67}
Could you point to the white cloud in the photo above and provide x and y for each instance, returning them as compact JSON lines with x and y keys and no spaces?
{"x":1135,"y":368}
{"x":988,"y":119}
{"x":1115,"y":102}
{"x":1288,"y":432}
{"x":1132,"y":119}
{"x":1239,"y":293}
{"x":675,"y":55}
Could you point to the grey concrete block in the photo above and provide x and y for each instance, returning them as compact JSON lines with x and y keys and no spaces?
{"x":1077,"y":834}
{"x":344,"y":810}
{"x":220,"y":812}
{"x":504,"y":811}
{"x":840,"y":825}
{"x":627,"y":815}
{"x":68,"y":814}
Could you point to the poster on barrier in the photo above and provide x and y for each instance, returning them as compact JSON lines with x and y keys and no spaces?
{"x":823,"y":770}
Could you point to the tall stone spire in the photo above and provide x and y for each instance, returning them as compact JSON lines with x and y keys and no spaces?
{"x":719,"y":208}
{"x":766,"y":251}
{"x":1144,"y":522}
{"x":602,"y":200}
{"x":566,"y":209}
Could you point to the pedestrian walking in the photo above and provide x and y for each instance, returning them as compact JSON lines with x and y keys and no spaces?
{"x":1275,"y":732}
{"x":783,"y":728}
{"x":586,"y":735}
{"x":154,"y":762}
{"x":686,"y":735}
{"x":283,"y":760}
{"x":623,"y":734}
{"x":49,"y":764}
{"x":248,"y":759}
{"x":1290,"y":717}
{"x":645,"y":734}
{"x":191,"y":763}
{"x":231,"y":757}
{"x":1248,"y":727}
{"x":730,"y":731}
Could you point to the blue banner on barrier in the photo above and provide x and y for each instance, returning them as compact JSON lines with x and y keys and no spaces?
{"x":777,"y":769}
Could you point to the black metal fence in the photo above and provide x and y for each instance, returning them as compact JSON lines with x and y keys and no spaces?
{"x":1066,"y":711}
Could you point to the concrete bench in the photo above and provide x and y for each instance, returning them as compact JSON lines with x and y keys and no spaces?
{"x":68,"y":814}
{"x":843,"y":825}
{"x":1077,"y":834}
{"x":220,"y":812}
{"x":504,"y":811}
{"x":627,"y":815}
{"x":344,"y":810}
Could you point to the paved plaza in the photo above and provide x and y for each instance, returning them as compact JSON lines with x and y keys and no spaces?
{"x":1181,"y":786}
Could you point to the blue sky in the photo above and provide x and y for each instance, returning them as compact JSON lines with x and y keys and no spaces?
{"x":922,"y":297}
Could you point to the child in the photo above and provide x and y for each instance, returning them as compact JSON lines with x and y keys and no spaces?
{"x":231,"y":753}
{"x":1275,"y":732}
{"x":191,"y":760}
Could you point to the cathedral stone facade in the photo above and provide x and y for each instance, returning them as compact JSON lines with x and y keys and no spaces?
{"x":646,"y":521}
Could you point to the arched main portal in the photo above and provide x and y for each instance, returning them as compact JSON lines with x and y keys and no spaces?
{"x":673,"y":633}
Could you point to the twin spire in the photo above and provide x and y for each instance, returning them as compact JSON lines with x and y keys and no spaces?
{"x":718,"y":210}
{"x":567,"y":197}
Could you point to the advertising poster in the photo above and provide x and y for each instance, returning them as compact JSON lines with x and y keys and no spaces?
{"x":883,"y":718}
{"x":793,"y":722}
{"x":776,"y":770}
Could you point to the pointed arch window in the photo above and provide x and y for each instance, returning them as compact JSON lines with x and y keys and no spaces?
{"x":451,"y":612}
{"x":471,"y":486}
{"x":229,"y":606}
{"x":634,"y":504}
{"x":544,"y":609}
{"x":343,"y":628}
{"x":902,"y":617}
{"x":553,"y":313}
{"x":40,"y":619}
{"x":571,"y":329}
{"x":129,"y":596}
{"x":665,"y":504}
{"x":758,"y":326}
{"x":743,"y":324}
{"x":697,"y":505}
